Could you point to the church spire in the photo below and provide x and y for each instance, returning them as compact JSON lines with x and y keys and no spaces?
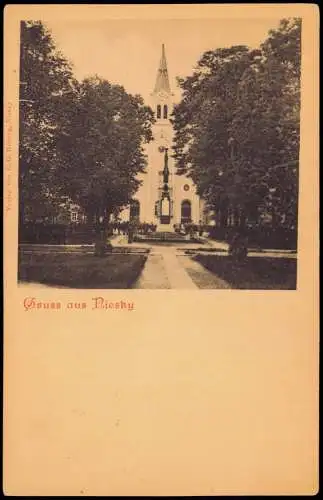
{"x":162,"y":81}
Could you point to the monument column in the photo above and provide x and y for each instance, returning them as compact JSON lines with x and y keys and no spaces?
{"x":165,"y":198}
{"x":159,"y":163}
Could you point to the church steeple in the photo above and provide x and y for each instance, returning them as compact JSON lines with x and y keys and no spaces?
{"x":162,"y":81}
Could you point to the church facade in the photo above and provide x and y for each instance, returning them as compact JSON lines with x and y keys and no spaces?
{"x":164,"y":198}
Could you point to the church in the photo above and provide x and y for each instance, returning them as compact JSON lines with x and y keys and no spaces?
{"x":165,"y":198}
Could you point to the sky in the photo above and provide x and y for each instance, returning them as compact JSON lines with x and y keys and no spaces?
{"x":127,"y":51}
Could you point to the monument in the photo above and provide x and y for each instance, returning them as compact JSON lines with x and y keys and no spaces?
{"x":164,"y":198}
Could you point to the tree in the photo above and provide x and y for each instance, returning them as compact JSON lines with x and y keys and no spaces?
{"x":238,"y":125}
{"x":283,"y":47}
{"x":101,"y":143}
{"x":81,"y":140}
{"x":204,"y":146}
{"x":46,"y":84}
{"x":266,"y":124}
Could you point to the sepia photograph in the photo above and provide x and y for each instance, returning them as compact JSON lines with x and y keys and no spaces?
{"x":159,"y":154}
{"x":155,"y":158}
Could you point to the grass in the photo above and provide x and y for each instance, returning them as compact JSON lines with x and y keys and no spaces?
{"x":261,"y":273}
{"x":80,"y":271}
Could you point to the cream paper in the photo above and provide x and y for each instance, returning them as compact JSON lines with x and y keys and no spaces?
{"x":187,"y":392}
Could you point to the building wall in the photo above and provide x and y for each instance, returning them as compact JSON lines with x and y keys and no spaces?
{"x":181,"y":186}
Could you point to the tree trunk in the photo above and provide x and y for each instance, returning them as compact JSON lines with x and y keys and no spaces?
{"x":90,"y":226}
{"x":243,"y":219}
{"x":236,"y":217}
{"x":218,"y":218}
{"x":102,"y":245}
{"x":224,"y":218}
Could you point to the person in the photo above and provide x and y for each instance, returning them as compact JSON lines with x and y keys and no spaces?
{"x":131,"y":230}
{"x":200,"y":228}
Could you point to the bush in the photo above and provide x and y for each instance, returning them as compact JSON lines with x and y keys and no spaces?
{"x":80,"y":234}
{"x":59,"y":234}
{"x":259,"y":236}
{"x":43,"y":233}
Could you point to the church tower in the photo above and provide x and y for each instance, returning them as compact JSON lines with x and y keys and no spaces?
{"x":164,"y":198}
{"x":159,"y":158}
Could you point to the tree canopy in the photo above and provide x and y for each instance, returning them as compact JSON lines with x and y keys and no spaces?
{"x":237,"y":128}
{"x":46,"y":84}
{"x":83,"y":140}
{"x":102,"y":146}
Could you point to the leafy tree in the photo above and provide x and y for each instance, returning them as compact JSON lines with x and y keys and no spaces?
{"x":102,"y":147}
{"x":266,"y":124}
{"x":283,"y":46}
{"x":81,"y":140}
{"x":239,"y":119}
{"x":46,"y":84}
{"x":204,"y":146}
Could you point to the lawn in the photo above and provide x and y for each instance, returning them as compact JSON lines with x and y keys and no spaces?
{"x":80,"y":270}
{"x":262,"y":273}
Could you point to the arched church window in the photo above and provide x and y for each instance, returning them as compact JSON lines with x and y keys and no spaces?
{"x":158,"y":111}
{"x":134,"y":209}
{"x":165,"y":111}
{"x":186,"y":211}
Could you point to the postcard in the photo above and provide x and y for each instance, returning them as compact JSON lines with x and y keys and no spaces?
{"x":161,"y":250}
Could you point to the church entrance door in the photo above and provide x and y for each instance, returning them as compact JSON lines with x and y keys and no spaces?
{"x":165,"y":211}
{"x":186,"y":212}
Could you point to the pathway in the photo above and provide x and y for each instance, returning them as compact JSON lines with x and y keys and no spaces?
{"x":154,"y":275}
{"x":163,"y":270}
{"x":252,"y":252}
{"x":176,"y":273}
